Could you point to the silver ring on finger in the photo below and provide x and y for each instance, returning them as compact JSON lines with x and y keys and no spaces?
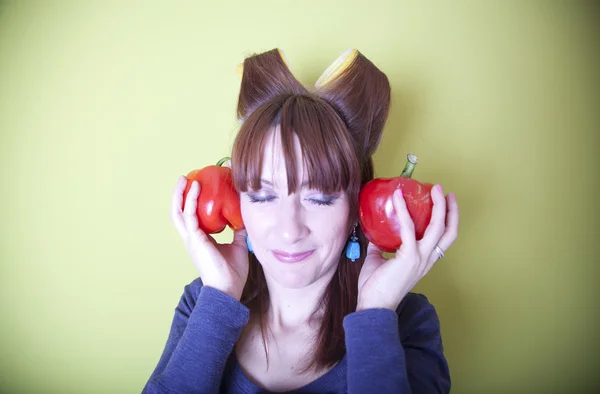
{"x":439,"y":251}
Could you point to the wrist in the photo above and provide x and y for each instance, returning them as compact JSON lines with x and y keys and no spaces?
{"x":361,"y":306}
{"x":230,"y":292}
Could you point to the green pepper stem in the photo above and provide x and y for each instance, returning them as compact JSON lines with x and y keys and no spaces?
{"x":410,"y":166}
{"x":222,"y":161}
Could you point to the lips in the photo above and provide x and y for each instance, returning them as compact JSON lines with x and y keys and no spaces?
{"x":291,"y":257}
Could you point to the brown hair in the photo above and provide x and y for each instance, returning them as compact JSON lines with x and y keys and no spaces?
{"x":339,"y":126}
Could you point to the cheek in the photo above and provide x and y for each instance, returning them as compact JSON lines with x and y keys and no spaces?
{"x":333,"y":226}
{"x":255,"y":218}
{"x":338,"y":234}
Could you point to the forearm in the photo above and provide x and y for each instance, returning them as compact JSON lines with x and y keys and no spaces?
{"x":198,"y":360}
{"x":376,"y":359}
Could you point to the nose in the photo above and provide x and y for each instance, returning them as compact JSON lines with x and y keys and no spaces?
{"x":291,"y":223}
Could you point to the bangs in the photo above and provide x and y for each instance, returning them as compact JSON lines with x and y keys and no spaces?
{"x":328,"y":152}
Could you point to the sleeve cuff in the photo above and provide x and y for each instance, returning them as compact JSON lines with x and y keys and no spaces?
{"x":371,"y":327}
{"x":218,"y":309}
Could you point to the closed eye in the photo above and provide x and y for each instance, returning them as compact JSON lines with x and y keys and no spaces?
{"x":261,"y":199}
{"x":323,"y":202}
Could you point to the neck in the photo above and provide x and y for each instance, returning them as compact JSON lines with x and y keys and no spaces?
{"x":290,"y":309}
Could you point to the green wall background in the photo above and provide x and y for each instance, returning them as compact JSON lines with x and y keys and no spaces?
{"x":104,"y":104}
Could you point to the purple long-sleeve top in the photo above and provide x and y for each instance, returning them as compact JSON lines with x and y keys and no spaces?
{"x":386,"y":351}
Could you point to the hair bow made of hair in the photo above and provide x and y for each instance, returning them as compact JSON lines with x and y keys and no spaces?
{"x":332,"y":71}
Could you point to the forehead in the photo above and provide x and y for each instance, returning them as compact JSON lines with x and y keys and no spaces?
{"x":274,"y":159}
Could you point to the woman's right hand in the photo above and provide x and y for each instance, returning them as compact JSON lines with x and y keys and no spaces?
{"x":221,"y":266}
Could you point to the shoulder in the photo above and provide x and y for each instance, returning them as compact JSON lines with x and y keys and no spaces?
{"x":416,"y":313}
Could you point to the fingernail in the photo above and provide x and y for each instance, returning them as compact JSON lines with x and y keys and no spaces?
{"x":440,"y":188}
{"x":399,"y":193}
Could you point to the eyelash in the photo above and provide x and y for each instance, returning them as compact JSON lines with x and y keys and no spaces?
{"x":260,"y":200}
{"x":328,"y":202}
{"x":254,"y":199}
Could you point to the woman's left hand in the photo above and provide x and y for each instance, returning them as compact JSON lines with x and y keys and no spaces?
{"x":384,"y":283}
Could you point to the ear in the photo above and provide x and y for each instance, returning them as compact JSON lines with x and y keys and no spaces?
{"x":265,"y":76}
{"x":361,"y":94}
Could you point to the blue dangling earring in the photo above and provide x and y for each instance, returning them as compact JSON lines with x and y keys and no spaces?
{"x":353,"y":248}
{"x":249,"y":245}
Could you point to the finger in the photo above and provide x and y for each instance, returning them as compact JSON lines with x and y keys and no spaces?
{"x":452,"y":221}
{"x":190,"y":216}
{"x":437,"y":224}
{"x":239,"y":237}
{"x":373,"y":250}
{"x":176,"y":203}
{"x":407,"y":227}
{"x":373,"y":260}
{"x":190,"y":207}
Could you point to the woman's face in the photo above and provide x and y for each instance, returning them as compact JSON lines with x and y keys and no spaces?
{"x":297,"y":238}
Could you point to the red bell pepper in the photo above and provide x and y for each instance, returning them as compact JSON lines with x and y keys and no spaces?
{"x":218,"y":202}
{"x":377,"y":216}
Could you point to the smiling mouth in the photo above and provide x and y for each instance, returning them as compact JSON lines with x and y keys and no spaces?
{"x":291,"y":257}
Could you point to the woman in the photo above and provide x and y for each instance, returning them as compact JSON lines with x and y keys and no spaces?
{"x":283,"y":308}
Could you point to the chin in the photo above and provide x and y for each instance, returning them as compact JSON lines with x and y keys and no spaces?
{"x":292,"y":279}
{"x":296,"y":275}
